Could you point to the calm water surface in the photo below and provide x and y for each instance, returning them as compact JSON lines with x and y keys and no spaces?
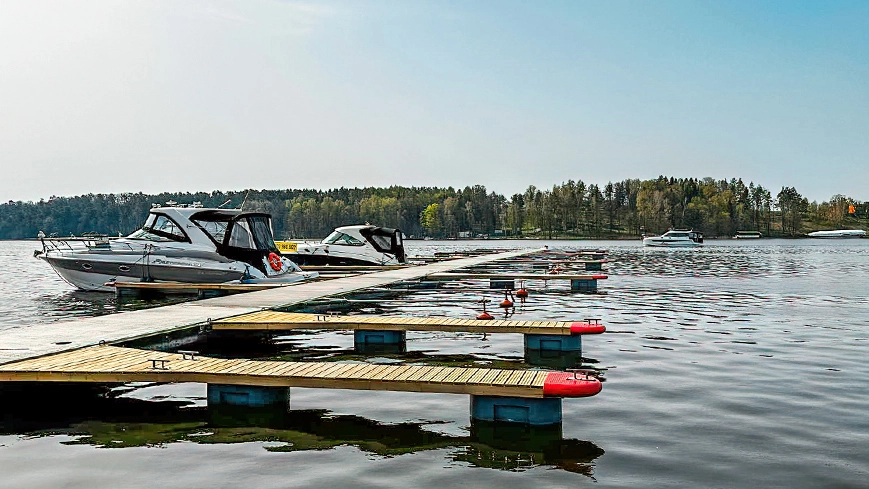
{"x":740,"y":364}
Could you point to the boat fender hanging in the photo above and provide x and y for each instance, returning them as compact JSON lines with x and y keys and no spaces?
{"x":275,"y":262}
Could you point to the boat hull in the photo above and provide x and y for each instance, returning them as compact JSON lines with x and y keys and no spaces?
{"x":93,"y":272}
{"x":838,"y":234}
{"x":98,"y":273}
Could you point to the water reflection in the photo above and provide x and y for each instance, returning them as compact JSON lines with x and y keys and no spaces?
{"x":97,"y":417}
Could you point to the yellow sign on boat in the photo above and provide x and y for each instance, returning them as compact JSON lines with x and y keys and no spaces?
{"x":286,"y":246}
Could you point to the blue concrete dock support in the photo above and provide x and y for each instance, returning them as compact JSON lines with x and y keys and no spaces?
{"x":553,"y":343}
{"x":374,"y":341}
{"x":508,"y":284}
{"x":593,"y":266}
{"x":554,"y":351}
{"x":520,"y":410}
{"x":588,"y":286}
{"x":248,"y":395}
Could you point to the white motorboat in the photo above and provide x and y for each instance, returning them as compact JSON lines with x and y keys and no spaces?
{"x":839,"y":233}
{"x":362,"y":244}
{"x":675,"y":238}
{"x":177,"y":243}
{"x":747,"y":235}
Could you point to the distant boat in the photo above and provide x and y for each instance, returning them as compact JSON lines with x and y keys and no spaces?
{"x":675,"y":238}
{"x":748,"y":235}
{"x":361,"y":244}
{"x":839,"y":233}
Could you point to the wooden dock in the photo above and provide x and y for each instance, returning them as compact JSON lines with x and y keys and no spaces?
{"x":512,"y":276}
{"x":285,"y":321}
{"x":110,"y":364}
{"x":27,"y":342}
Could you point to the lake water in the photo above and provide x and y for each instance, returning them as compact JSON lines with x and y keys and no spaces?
{"x":738,"y":364}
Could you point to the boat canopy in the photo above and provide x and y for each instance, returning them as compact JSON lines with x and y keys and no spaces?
{"x":245,"y":237}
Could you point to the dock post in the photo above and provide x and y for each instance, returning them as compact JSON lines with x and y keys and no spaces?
{"x":588,"y":286}
{"x":376,"y":341}
{"x":519,"y":410}
{"x":248,"y":395}
{"x":554,"y":351}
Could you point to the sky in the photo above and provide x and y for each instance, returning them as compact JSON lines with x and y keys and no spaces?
{"x":109,"y":96}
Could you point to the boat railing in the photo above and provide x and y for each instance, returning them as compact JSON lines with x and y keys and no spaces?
{"x":77,"y":243}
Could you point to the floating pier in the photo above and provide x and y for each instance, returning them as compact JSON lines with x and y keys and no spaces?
{"x":112,"y":364}
{"x":525,"y":396}
{"x":578,"y":282}
{"x":546,"y":342}
{"x":283,"y":321}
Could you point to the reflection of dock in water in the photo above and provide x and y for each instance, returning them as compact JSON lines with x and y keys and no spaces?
{"x":120,"y":422}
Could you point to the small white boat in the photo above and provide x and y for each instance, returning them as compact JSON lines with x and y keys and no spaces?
{"x":361,"y":244}
{"x":676,"y":238}
{"x":188,"y":244}
{"x":839,"y":233}
{"x":748,"y":235}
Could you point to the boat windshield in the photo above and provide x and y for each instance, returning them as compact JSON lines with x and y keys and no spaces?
{"x":677,"y":235}
{"x":339,"y":238}
{"x":215,"y":229}
{"x":160,"y":228}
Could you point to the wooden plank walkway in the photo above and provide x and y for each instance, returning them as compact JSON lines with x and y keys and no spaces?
{"x":22,"y":342}
{"x":110,"y":364}
{"x":283,"y":321}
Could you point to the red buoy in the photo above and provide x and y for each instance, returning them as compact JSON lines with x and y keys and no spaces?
{"x":521,"y":293}
{"x":565,"y":384}
{"x":485,"y":315}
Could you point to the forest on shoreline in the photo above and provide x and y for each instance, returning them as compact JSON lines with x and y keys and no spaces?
{"x":573,"y":209}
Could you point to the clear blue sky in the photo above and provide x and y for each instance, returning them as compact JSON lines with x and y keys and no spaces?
{"x":114,"y":96}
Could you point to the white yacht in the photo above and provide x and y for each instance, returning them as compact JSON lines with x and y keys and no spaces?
{"x":839,"y":233}
{"x":177,"y":243}
{"x":675,"y":238}
{"x":362,"y":244}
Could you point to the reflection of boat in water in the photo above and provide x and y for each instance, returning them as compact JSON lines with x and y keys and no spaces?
{"x":188,"y":244}
{"x":747,"y":235}
{"x":350,"y":245}
{"x":839,"y":233}
{"x":675,"y":238}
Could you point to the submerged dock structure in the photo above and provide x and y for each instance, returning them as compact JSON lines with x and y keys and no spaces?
{"x":90,"y":350}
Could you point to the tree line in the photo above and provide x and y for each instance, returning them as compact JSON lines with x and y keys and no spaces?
{"x":628,"y":208}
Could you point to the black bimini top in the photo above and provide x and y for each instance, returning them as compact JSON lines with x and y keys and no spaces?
{"x":245,"y":236}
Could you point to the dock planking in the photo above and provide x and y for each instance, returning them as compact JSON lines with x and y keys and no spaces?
{"x":45,"y":339}
{"x":283,"y":321}
{"x":112,"y":364}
